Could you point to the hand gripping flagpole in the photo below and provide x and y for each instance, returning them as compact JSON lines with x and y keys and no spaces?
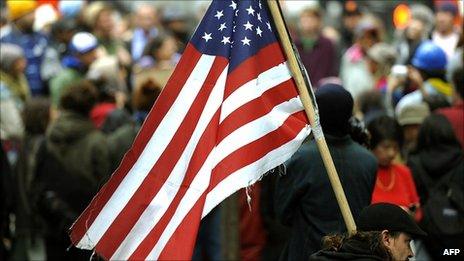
{"x":312,"y":114}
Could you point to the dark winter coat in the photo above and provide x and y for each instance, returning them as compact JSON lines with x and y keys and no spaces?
{"x":429,"y":168}
{"x":305,"y":199}
{"x":352,"y":249}
{"x":72,"y":164}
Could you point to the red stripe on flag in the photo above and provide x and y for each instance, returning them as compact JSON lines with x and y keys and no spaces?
{"x":253,"y":152}
{"x":189,"y":226}
{"x":257,"y":108}
{"x":161,"y":170}
{"x":160,"y":108}
{"x":259,"y":148}
{"x":201,"y":152}
{"x":264,"y":60}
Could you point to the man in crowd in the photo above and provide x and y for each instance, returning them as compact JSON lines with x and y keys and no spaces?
{"x":146,"y":19}
{"x":22,"y":17}
{"x":83,"y":48}
{"x":317,"y":52}
{"x":384,"y":232}
{"x":445,"y":34}
{"x":428,"y":74}
{"x":304,"y":198}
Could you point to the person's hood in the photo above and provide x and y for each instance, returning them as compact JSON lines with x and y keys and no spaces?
{"x":68,"y":128}
{"x":440,"y":160}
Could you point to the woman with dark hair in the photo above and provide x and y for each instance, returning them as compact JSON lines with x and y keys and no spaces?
{"x":304,"y":196}
{"x":438,"y":169}
{"x":394,"y":182}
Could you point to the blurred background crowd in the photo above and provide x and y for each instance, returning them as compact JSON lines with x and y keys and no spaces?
{"x":79,"y":77}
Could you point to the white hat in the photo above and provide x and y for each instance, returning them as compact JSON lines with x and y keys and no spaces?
{"x":83,"y":42}
{"x":44,"y":15}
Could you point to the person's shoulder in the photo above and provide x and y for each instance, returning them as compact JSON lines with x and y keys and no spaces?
{"x":363,"y":155}
{"x":325,"y":40}
{"x":67,"y":74}
{"x":307,"y":148}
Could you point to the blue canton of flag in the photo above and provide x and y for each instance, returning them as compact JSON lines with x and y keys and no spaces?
{"x":235,"y":30}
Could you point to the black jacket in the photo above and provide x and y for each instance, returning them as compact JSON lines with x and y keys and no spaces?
{"x":352,"y":249}
{"x":305,"y":199}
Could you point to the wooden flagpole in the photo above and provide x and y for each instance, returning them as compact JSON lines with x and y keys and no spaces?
{"x":312,"y":115}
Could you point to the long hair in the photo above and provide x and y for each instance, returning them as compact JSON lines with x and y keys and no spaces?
{"x":436,"y":130}
{"x":373,"y":240}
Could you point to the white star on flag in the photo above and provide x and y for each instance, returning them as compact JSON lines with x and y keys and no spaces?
{"x":225,"y":40}
{"x":233,"y":5}
{"x":219,"y":14}
{"x":268,"y":26}
{"x":258,"y":31}
{"x":250,"y":10}
{"x":222,"y":27}
{"x":207,"y":37}
{"x":246,"y":41}
{"x":259,"y":17}
{"x":248,"y":26}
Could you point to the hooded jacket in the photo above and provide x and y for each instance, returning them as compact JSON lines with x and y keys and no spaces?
{"x":430,"y":165}
{"x":75,"y":142}
{"x":71,"y":165}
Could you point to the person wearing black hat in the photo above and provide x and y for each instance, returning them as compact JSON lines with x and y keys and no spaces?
{"x":384,"y":232}
{"x":304,"y":198}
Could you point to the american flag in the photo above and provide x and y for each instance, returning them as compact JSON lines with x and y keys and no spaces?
{"x":229,"y":113}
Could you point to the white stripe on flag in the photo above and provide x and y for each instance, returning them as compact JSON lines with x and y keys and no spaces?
{"x":168,"y":191}
{"x":251,"y":173}
{"x":257,"y":128}
{"x":150,"y":155}
{"x":240,"y":137}
{"x":255,"y":88}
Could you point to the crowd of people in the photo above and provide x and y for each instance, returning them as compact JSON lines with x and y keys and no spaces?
{"x":78,"y":79}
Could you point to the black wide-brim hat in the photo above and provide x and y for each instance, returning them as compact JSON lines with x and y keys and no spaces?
{"x":386,"y":216}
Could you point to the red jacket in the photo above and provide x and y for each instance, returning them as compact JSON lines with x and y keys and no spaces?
{"x":455,"y":116}
{"x":395,"y":185}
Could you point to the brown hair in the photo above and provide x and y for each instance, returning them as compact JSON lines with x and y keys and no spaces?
{"x":372,"y":238}
{"x":36,"y":115}
{"x":145,"y":95}
{"x":79,"y":97}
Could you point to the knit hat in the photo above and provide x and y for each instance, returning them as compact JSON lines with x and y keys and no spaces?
{"x":18,"y":9}
{"x":83,"y":42}
{"x":10,"y":53}
{"x":386,"y":216}
{"x":382,"y":53}
{"x":335,"y":108}
{"x":413,"y":114}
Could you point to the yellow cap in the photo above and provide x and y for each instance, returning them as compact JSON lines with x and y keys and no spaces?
{"x":20,"y":8}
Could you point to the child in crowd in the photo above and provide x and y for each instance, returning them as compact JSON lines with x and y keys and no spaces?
{"x":394,"y":182}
